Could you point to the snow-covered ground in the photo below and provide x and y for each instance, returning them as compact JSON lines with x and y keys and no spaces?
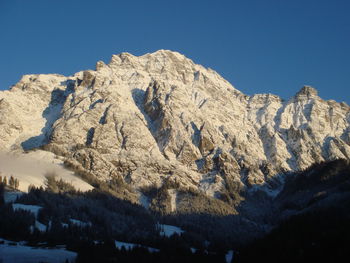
{"x":35,"y":210}
{"x":20,"y":253}
{"x":169,"y":230}
{"x":31,"y":208}
{"x":41,"y":227}
{"x":129,"y":246}
{"x":229,"y":256}
{"x":11,"y":196}
{"x":30,"y":169}
{"x":144,"y":200}
{"x":79,"y":223}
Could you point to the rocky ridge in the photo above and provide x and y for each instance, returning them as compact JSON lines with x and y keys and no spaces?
{"x":161,"y":117}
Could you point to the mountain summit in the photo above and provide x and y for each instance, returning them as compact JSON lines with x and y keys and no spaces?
{"x":161,"y":117}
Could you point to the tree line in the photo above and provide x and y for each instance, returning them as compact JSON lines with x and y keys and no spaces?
{"x":11,"y":182}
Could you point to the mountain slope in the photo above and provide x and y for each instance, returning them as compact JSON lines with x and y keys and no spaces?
{"x":310,"y":217}
{"x":160,"y":117}
{"x":31,"y":169}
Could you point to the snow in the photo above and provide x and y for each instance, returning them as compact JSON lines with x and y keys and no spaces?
{"x":30,"y":169}
{"x":229,"y":256}
{"x":79,"y":223}
{"x":11,"y":196}
{"x":254,"y":129}
{"x":169,"y":230}
{"x":24,"y":254}
{"x":211,"y":184}
{"x":40,"y":112}
{"x":35,"y":210}
{"x":153,"y":250}
{"x":41,"y":227}
{"x":129,"y":246}
{"x":31,"y":208}
{"x":49,"y":116}
{"x":144,"y":201}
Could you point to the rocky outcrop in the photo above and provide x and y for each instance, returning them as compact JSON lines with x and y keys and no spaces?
{"x":159,"y":116}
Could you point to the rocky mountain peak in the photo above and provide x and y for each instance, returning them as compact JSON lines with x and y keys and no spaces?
{"x":161,"y":117}
{"x":160,"y":57}
{"x":307,"y":91}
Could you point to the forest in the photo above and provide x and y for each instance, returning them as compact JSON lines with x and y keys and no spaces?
{"x":308,"y":220}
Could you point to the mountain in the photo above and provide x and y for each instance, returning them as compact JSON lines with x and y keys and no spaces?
{"x":160,"y":118}
{"x":311,"y":217}
{"x":157,"y":140}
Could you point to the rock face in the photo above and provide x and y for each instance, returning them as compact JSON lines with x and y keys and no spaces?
{"x":160,"y":116}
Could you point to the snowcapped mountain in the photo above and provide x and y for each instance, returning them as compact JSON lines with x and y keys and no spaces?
{"x":161,"y":117}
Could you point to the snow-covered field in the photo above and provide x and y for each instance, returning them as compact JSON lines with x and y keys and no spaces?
{"x":31,"y":208}
{"x":30,"y":169}
{"x":41,"y":227}
{"x":11,"y":196}
{"x":129,"y":246}
{"x":168,"y":230}
{"x":19,"y":253}
{"x":229,"y":256}
{"x":80,"y":223}
{"x":35,"y":210}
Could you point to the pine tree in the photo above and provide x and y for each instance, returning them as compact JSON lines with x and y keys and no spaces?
{"x":16,"y":184}
{"x":51,"y":183}
{"x":2,"y":194}
{"x":31,"y":187}
{"x":12,"y":182}
{"x":5,"y":181}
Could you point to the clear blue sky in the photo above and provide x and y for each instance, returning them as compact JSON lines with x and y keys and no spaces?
{"x":260,"y":46}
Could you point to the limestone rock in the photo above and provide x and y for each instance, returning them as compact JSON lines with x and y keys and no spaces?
{"x":161,"y":116}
